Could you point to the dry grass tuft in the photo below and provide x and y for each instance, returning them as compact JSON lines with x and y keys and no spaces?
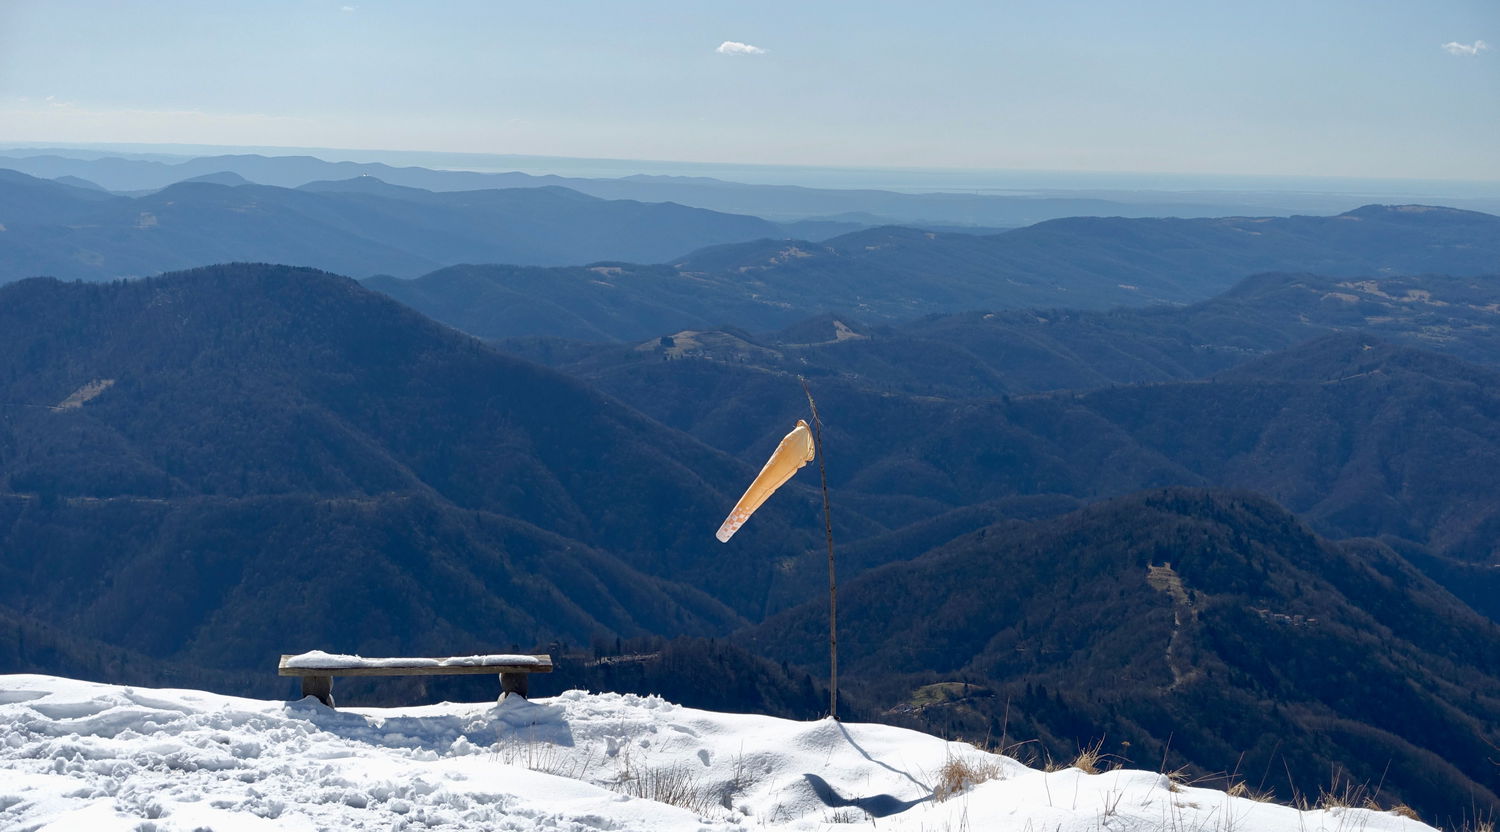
{"x":1405,"y":811}
{"x":1089,"y":758}
{"x":546,"y":758}
{"x":1176,"y":778}
{"x":676,"y":785}
{"x":959,"y":775}
{"x":1347,"y":795}
{"x":1242,"y":789}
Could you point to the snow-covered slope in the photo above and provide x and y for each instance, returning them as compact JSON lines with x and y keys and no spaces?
{"x":83,"y":756}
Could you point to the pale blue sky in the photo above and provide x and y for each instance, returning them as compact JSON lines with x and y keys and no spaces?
{"x":1333,"y":87}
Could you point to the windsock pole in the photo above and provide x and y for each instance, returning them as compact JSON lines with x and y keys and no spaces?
{"x":833,"y":586}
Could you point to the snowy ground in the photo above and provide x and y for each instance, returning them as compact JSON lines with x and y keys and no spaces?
{"x":83,"y":756}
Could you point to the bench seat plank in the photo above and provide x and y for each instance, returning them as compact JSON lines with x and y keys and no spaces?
{"x":310,"y":665}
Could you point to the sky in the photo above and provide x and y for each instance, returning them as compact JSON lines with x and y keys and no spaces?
{"x":1357,"y":88}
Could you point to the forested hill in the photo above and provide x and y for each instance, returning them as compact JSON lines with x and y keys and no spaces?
{"x":1018,"y":352}
{"x":1359,"y":436}
{"x":1039,"y":350}
{"x":231,"y":462}
{"x":1204,"y":627}
{"x":900,"y":273}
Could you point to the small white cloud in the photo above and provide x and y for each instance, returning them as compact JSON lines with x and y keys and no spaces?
{"x":346,"y":8}
{"x":733,"y":47}
{"x":1453,"y":47}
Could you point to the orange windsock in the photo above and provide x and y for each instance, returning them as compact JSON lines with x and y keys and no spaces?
{"x":796,"y":450}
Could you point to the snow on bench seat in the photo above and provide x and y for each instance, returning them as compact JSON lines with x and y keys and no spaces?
{"x":319,"y":663}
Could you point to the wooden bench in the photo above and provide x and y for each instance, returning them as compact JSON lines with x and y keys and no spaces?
{"x":317,"y":670}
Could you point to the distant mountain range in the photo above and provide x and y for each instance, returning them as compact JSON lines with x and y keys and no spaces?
{"x":894,"y":274}
{"x":359,"y":227}
{"x":783,"y":203}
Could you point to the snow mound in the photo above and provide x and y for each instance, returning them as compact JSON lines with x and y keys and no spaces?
{"x":79,"y":755}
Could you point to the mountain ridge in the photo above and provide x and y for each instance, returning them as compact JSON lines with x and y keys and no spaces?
{"x":785,"y":203}
{"x":902,"y":274}
{"x":62,"y":231}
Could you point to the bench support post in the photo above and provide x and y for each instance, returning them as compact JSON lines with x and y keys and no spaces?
{"x":514,"y":683}
{"x":320,"y":687}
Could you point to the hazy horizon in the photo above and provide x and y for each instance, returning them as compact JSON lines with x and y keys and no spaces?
{"x":900,"y":179}
{"x":1343,"y":88}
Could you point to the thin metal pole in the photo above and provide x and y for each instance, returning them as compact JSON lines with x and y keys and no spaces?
{"x":833,"y":586}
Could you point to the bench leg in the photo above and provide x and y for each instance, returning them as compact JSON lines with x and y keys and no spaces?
{"x":320,"y":687}
{"x":514,"y":683}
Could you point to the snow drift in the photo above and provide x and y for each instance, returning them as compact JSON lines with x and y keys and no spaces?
{"x":79,"y":755}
